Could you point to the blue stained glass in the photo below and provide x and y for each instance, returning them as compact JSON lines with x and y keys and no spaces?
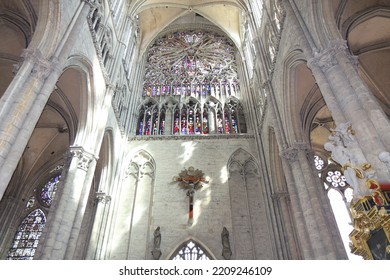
{"x":49,"y":190}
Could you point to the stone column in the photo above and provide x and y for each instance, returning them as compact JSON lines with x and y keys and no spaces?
{"x":168,"y":120}
{"x":324,"y":243}
{"x":98,"y":230}
{"x":290,"y":159}
{"x":64,"y":221}
{"x":21,"y":107}
{"x":367,"y":100}
{"x":23,"y":101}
{"x":211,"y":120}
{"x":334,"y":248}
{"x":335,"y":80}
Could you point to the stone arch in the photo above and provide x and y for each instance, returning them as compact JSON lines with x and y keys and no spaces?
{"x":77,"y":72}
{"x":249,"y":208}
{"x":47,"y":32}
{"x":18,"y":30}
{"x":94,"y":229}
{"x":195,"y":247}
{"x":298,"y":83}
{"x":133,"y":206}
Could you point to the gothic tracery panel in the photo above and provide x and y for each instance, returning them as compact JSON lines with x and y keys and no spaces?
{"x":191,"y":86}
{"x":191,"y":251}
{"x":249,"y":218}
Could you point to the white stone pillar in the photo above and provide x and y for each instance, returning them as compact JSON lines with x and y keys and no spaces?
{"x":314,"y":221}
{"x":22,"y":105}
{"x":25,"y":98}
{"x":345,"y":104}
{"x":290,"y":158}
{"x":96,"y":242}
{"x":168,"y":120}
{"x":64,"y":221}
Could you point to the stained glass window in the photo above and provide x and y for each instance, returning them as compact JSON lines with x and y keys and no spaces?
{"x":319,"y":162}
{"x":191,"y":251}
{"x":198,"y":70}
{"x":191,"y":62}
{"x":30,"y":229}
{"x":340,"y":196}
{"x":49,"y":190}
{"x":27,"y":237}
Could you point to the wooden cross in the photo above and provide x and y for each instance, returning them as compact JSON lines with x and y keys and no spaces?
{"x":191,"y":180}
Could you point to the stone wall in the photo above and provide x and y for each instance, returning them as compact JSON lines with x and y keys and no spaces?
{"x":169,"y":203}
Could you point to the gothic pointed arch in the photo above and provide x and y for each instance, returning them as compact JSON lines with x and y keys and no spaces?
{"x":91,"y":240}
{"x":191,"y":250}
{"x":249,"y":207}
{"x":27,"y":237}
{"x":134,"y":202}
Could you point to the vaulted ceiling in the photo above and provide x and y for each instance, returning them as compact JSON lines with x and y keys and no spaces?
{"x":156,"y":15}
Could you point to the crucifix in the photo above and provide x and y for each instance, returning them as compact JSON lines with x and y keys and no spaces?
{"x":191,"y":179}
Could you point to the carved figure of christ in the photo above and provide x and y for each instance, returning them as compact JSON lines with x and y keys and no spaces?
{"x":191,"y":183}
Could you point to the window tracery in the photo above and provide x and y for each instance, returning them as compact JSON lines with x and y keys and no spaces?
{"x":338,"y":192}
{"x":194,"y":63}
{"x":196,"y":72}
{"x":191,"y":251}
{"x":27,"y":237}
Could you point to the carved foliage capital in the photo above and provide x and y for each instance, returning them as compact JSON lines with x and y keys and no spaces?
{"x":84,"y":158}
{"x":290,"y":154}
{"x":326,"y":58}
{"x":42,"y":66}
{"x":103,"y":198}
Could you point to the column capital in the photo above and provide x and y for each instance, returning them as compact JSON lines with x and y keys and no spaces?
{"x":42,"y":66}
{"x":84,"y":158}
{"x":279,"y":195}
{"x":326,"y":58}
{"x":290,"y":154}
{"x":102,"y":197}
{"x":93,"y":3}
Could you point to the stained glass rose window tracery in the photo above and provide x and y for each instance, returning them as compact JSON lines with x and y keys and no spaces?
{"x":191,"y":63}
{"x":198,"y":71}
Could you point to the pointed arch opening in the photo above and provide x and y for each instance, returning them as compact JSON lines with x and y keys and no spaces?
{"x":191,"y":250}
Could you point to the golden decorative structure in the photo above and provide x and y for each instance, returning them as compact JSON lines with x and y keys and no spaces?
{"x":371,"y":214}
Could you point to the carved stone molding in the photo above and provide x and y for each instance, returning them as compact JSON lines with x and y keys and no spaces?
{"x":93,"y":3}
{"x":278,"y":195}
{"x":290,"y":154}
{"x":84,"y":158}
{"x":42,"y":67}
{"x":306,"y":148}
{"x":326,"y":59}
{"x":103,"y":198}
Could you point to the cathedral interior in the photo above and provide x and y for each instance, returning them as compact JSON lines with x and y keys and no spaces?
{"x":194,"y":129}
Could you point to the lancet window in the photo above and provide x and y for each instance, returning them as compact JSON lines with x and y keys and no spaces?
{"x":191,"y":118}
{"x":27,"y":237}
{"x":339,"y":193}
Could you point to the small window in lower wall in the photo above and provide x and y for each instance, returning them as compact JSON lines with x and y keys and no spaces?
{"x":190,"y":251}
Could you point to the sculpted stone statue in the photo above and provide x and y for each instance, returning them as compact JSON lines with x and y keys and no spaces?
{"x":156,"y":243}
{"x":226,"y":251}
